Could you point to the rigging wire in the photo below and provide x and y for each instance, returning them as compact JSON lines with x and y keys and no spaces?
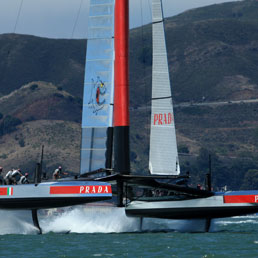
{"x":18,"y":16}
{"x":144,"y":58}
{"x":76,"y":19}
{"x":150,"y":8}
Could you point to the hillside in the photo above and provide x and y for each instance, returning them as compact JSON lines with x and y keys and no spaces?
{"x":27,"y":58}
{"x":213,"y":56}
{"x":211,"y":51}
{"x":41,"y":100}
{"x":22,"y":148}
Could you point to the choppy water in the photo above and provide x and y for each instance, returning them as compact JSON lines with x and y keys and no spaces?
{"x":233,"y":237}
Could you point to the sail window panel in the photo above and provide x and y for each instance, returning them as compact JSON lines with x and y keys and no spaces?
{"x":157,"y":14}
{"x":94,"y":67}
{"x":92,"y":160}
{"x":101,"y":19}
{"x":161,"y":86}
{"x":97,"y":143}
{"x":94,"y":138}
{"x":163,"y":156}
{"x":101,"y":22}
{"x":99,"y":132}
{"x":160,"y":64}
{"x":99,"y":49}
{"x":93,"y":149}
{"x":159,"y":44}
{"x":102,"y":118}
{"x":103,"y":9}
{"x":101,"y":2}
{"x":94,"y":33}
{"x":162,"y":105}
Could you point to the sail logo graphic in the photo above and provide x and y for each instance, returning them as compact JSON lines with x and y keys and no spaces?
{"x":89,"y":189}
{"x":95,"y":189}
{"x":163,"y":119}
{"x":97,"y":98}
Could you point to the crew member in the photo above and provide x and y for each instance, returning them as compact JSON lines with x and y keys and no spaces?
{"x":58,"y":172}
{"x":24,"y":179}
{"x":12,"y":176}
{"x":7,"y":177}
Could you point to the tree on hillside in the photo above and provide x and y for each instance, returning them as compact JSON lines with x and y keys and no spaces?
{"x":9,"y":124}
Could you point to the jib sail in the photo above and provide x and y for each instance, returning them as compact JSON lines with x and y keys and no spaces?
{"x":163,"y":147}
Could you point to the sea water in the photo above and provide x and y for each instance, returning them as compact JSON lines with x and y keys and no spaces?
{"x":94,"y":234}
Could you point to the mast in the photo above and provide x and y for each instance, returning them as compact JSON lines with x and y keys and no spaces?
{"x":121,"y":94}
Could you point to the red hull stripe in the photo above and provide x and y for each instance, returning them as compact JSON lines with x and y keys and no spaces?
{"x":6,"y":191}
{"x":89,"y":189}
{"x":240,"y":198}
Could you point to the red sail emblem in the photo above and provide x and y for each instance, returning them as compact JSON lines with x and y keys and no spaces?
{"x":163,"y":119}
{"x":98,"y":95}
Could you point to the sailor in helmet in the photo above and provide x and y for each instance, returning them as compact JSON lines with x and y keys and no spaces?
{"x":58,"y":172}
{"x":12,"y":176}
{"x":24,"y":179}
{"x":8,"y":176}
{"x":15,"y":176}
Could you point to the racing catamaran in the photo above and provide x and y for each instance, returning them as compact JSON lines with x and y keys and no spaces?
{"x":106,"y":124}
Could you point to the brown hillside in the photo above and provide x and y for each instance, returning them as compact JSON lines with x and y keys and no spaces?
{"x":61,"y":140}
{"x":41,"y":100}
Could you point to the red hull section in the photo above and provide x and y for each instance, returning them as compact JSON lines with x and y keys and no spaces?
{"x":241,"y":198}
{"x":91,"y":189}
{"x":53,"y":194}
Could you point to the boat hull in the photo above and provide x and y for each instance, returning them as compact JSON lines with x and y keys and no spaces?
{"x":53,"y":194}
{"x":218,"y":206}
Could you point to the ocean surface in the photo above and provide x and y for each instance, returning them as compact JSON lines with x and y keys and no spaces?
{"x":82,"y":233}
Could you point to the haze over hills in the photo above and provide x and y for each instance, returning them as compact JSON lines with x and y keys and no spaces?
{"x":213,"y":56}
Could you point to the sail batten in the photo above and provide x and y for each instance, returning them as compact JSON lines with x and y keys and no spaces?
{"x":97,"y":115}
{"x":163,"y":158}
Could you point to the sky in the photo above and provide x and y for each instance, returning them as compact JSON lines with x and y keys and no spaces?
{"x":62,"y":18}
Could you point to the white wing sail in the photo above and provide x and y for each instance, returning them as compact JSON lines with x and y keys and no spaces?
{"x":163,"y":147}
{"x":97,"y":114}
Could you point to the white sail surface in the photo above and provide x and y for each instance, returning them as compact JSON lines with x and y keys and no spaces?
{"x":97,"y":113}
{"x":163,"y":158}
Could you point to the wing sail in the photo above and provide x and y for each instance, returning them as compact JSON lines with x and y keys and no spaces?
{"x":97,"y":113}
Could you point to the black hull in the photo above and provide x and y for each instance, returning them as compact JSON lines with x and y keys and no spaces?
{"x":193,"y":213}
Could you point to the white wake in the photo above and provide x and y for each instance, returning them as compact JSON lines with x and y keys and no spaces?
{"x":94,"y":219}
{"x":90,"y":220}
{"x":16,"y":222}
{"x":102,"y":219}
